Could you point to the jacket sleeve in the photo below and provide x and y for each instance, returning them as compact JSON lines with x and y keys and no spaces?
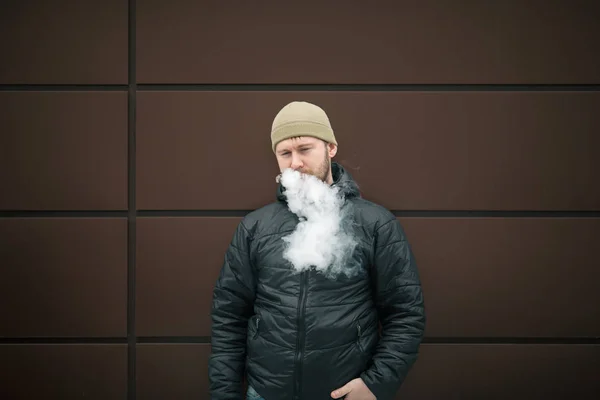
{"x":399,"y":300}
{"x":232,"y":305}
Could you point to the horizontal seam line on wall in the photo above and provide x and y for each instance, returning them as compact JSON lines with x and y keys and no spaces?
{"x":512,"y":340}
{"x":63,"y":88}
{"x":369,"y":87}
{"x":400,"y":87}
{"x":242,"y":213}
{"x":207,"y":340}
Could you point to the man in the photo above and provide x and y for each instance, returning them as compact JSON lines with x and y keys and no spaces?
{"x":304,"y":334}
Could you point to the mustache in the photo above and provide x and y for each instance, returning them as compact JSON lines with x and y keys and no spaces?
{"x":278,"y":176}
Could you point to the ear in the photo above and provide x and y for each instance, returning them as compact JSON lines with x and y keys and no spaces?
{"x":331,"y":149}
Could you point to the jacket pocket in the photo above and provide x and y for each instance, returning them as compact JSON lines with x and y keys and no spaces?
{"x":359,"y":337}
{"x":252,"y":332}
{"x":254,"y":327}
{"x":364,"y":334}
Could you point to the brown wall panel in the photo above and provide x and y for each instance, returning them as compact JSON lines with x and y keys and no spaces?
{"x":448,"y":371}
{"x":178,"y":261}
{"x":516,"y":372}
{"x":63,"y":277}
{"x":517,"y":41}
{"x":481,"y":276}
{"x":63,"y":371}
{"x":407,"y":150}
{"x":63,"y":42}
{"x":508,"y":277}
{"x":63,"y":150}
{"x":198,"y":150}
{"x":172,"y":371}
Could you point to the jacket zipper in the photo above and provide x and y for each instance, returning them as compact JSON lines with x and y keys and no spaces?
{"x":301,"y":333}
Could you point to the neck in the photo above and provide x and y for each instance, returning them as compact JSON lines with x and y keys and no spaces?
{"x":329,"y":179}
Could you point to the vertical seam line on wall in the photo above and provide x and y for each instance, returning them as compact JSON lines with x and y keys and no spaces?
{"x":131,"y":200}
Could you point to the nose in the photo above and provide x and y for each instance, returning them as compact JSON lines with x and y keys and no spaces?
{"x":296,"y":162}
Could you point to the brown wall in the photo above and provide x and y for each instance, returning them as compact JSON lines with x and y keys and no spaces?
{"x":135,"y":135}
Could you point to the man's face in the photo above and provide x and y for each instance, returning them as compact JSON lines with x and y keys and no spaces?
{"x":307,"y":155}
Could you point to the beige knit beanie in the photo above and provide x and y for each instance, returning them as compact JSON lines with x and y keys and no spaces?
{"x":300,"y":118}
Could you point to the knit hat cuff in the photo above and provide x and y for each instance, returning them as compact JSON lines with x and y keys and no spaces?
{"x":302,"y":128}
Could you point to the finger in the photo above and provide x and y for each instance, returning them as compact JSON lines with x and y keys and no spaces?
{"x":344,"y":390}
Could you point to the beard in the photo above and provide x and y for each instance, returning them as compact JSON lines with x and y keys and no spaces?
{"x":322,"y":170}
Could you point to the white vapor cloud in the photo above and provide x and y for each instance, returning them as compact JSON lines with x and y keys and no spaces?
{"x":322,"y":239}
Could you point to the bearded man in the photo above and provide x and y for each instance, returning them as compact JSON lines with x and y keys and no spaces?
{"x":319,"y":295}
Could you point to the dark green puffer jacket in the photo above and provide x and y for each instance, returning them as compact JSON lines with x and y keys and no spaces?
{"x":300,"y":336}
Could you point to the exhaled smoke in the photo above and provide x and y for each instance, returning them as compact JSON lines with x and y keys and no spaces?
{"x":323,"y":238}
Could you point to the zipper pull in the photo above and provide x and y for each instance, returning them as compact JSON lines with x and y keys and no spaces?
{"x":358,"y":328}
